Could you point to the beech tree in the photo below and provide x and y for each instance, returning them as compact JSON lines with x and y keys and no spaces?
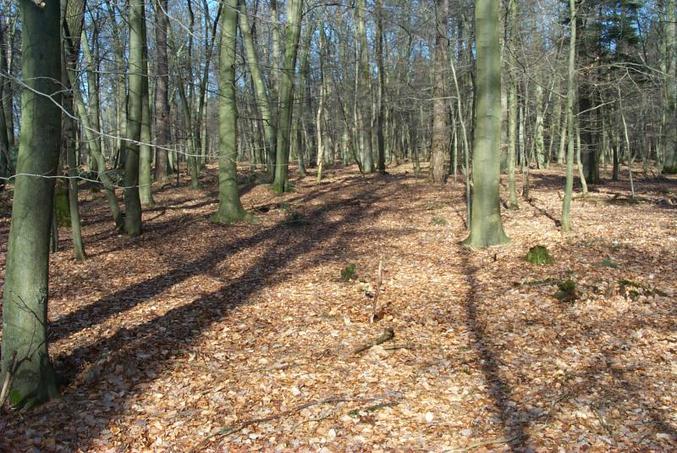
{"x":230,"y":208}
{"x":134,"y":117}
{"x":440,"y":134}
{"x":486,"y":228}
{"x":25,"y":356}
{"x":286,"y":95}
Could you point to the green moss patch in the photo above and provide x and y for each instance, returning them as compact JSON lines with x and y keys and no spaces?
{"x":539,"y":255}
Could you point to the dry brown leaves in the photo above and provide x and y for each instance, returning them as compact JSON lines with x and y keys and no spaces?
{"x":205,"y":337}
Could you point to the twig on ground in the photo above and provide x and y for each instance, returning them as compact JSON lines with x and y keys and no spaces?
{"x":503,"y":440}
{"x":377,"y":312}
{"x":330,"y":400}
{"x":387,"y":335}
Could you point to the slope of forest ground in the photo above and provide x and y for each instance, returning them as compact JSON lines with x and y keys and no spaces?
{"x":199,"y":337}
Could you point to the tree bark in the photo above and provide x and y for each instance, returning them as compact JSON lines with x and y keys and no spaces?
{"x":571,"y":97}
{"x":512,"y":107}
{"x":260,"y":91}
{"x":486,"y":228}
{"x":145,"y":148}
{"x":381,"y":116}
{"x":286,"y":95}
{"x":440,"y":138}
{"x":162,"y":107}
{"x":73,"y":19}
{"x":25,"y":354}
{"x":230,"y":208}
{"x":134,"y":117}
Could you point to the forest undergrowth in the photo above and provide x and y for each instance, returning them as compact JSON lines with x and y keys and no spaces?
{"x":202,"y":337}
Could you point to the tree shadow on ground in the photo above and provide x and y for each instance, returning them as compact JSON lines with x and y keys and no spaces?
{"x":599,"y":352}
{"x":513,"y":417}
{"x":180,"y":326}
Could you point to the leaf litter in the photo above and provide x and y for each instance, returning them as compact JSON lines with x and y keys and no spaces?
{"x":201,"y":337}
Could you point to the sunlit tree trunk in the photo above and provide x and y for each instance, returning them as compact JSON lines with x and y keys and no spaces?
{"x":320,"y":108}
{"x":363,"y":84}
{"x":512,"y":107}
{"x":230,"y":208}
{"x":260,"y":91}
{"x":4,"y":137}
{"x":486,"y":228}
{"x":145,"y":150}
{"x":162,"y":108}
{"x":440,"y":134}
{"x":571,"y":96}
{"x":669,"y":70}
{"x":286,"y":95}
{"x":73,"y":18}
{"x":25,"y":357}
{"x":381,"y":116}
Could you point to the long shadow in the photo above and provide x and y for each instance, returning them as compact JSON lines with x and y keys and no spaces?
{"x":181,"y":325}
{"x":131,"y":296}
{"x":512,"y":417}
{"x":544,"y":212}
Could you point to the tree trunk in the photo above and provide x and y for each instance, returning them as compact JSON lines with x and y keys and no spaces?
{"x":4,"y":137}
{"x":512,"y":107}
{"x":286,"y":95}
{"x":162,"y":107}
{"x":230,"y":208}
{"x":440,"y":133}
{"x":363,"y":82}
{"x":25,"y":356}
{"x":669,"y":70}
{"x":145,"y":149}
{"x":320,"y":108}
{"x":486,"y":228}
{"x":571,"y":96}
{"x":72,"y":18}
{"x":260,"y":91}
{"x":134,"y":117}
{"x":381,"y":116}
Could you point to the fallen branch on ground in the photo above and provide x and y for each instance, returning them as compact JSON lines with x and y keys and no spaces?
{"x":503,"y":440}
{"x":377,"y":312}
{"x":330,"y":400}
{"x":387,"y":335}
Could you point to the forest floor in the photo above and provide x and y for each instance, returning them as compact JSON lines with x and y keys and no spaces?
{"x":201,"y":337}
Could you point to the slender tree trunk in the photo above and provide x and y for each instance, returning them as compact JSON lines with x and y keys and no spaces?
{"x":25,"y":356}
{"x":669,"y":69}
{"x":230,"y":208}
{"x":92,"y":63}
{"x":7,"y":99}
{"x":571,"y":97}
{"x":260,"y":91}
{"x":162,"y":108}
{"x":486,"y":228}
{"x":320,"y":109}
{"x":286,"y":95}
{"x":134,"y":117}
{"x":72,"y":18}
{"x":363,"y":81}
{"x":440,"y":134}
{"x":579,"y":164}
{"x":381,"y":116}
{"x":145,"y":150}
{"x":4,"y":138}
{"x":512,"y":108}
{"x":539,"y":143}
